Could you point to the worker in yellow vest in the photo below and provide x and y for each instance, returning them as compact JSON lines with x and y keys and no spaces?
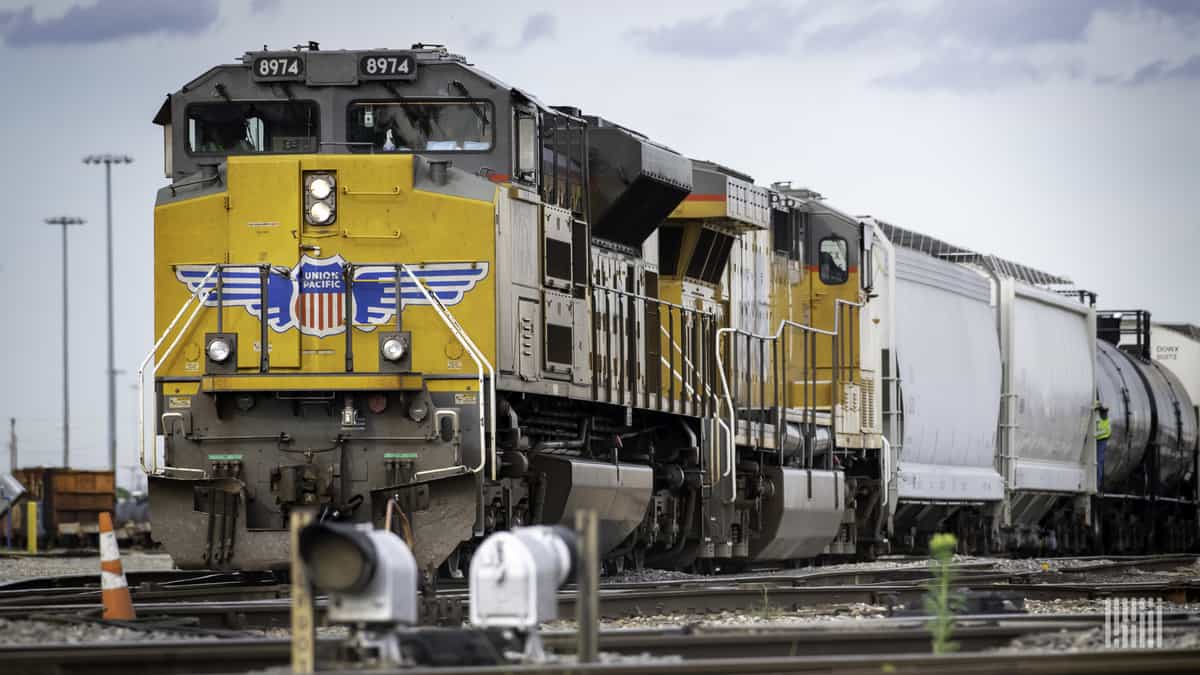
{"x":1103,"y":433}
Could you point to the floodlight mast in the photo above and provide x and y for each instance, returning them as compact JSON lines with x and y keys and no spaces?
{"x":108,"y":160}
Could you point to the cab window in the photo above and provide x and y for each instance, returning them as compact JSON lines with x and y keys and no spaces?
{"x":525,"y":146}
{"x":420,"y":126}
{"x":244,"y":127}
{"x":832,"y":262}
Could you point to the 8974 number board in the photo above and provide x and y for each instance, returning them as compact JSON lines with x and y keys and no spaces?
{"x":387,"y":66}
{"x":283,"y":67}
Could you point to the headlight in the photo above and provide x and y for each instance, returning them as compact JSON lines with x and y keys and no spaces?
{"x":320,"y":197}
{"x":219,"y":350}
{"x":319,"y":213}
{"x":320,"y":187}
{"x":418,"y":410}
{"x":394,"y":349}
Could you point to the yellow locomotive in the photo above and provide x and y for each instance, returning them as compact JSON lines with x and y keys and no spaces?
{"x":385,"y":280}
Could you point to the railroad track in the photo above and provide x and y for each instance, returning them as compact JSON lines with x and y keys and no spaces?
{"x":182,"y":586}
{"x":768,"y":602}
{"x":902,"y":643}
{"x":234,"y":602}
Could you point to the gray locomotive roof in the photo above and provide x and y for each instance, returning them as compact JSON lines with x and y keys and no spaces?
{"x":924,"y":243}
{"x":424,"y":54}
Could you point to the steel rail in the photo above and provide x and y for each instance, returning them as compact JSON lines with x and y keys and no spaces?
{"x":185,"y":584}
{"x":617,"y":603}
{"x":821,"y":648}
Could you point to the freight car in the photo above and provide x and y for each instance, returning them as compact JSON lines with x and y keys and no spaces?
{"x":70,"y":503}
{"x":995,"y":376}
{"x":1148,"y":484}
{"x":385,"y":277}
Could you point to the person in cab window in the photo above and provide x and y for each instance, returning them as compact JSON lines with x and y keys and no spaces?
{"x":832,"y":262}
{"x":1103,"y":433}
{"x":229,"y":137}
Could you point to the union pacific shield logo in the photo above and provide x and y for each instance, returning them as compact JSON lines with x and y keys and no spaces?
{"x":321,"y":302}
{"x":312,"y":295}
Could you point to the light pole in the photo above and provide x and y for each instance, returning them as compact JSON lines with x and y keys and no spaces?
{"x":64,"y":222}
{"x":108,"y":160}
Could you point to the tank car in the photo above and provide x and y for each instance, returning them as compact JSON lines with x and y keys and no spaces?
{"x":385,"y":280}
{"x":1148,"y":496}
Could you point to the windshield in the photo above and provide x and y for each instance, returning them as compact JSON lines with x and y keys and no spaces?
{"x":833,"y":267}
{"x":249,"y":127}
{"x":420,"y":126}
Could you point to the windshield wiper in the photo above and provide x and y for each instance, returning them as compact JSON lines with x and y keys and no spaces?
{"x":475,"y":107}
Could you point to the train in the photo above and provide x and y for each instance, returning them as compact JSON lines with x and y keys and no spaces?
{"x":387,"y":282}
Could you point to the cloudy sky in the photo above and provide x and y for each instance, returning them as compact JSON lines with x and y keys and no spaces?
{"x":1060,"y":133}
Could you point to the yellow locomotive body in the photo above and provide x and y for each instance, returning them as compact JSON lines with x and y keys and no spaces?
{"x":325,"y":352}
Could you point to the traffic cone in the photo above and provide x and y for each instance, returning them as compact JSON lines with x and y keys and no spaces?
{"x":114,"y":590}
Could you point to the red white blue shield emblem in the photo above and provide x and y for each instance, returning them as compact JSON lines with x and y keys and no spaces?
{"x":321,"y":302}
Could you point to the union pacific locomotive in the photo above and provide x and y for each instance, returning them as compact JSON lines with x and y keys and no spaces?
{"x":388,"y":283}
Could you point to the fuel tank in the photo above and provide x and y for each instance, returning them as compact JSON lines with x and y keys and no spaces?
{"x":619,"y":493}
{"x":802,"y":514}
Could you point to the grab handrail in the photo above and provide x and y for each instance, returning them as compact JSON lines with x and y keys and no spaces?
{"x":202,"y":294}
{"x":481,"y":363}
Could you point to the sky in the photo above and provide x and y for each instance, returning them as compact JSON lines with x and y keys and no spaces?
{"x":1061,"y":134}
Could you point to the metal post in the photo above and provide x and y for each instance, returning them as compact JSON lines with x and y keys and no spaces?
{"x":31,"y":526}
{"x":587,"y":604}
{"x":304,"y":636}
{"x":64,"y":222}
{"x":108,"y":160}
{"x":12,"y":444}
{"x":112,"y":370}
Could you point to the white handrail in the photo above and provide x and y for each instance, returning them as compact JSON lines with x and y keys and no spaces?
{"x":201,"y":294}
{"x":731,"y":448}
{"x":684,"y":361}
{"x":887,"y":472}
{"x":481,"y":363}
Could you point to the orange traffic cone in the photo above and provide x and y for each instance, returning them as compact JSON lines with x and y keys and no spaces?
{"x":114,"y":590}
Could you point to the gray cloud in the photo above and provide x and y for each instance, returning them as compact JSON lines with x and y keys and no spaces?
{"x":1184,"y":10}
{"x":537,"y":27}
{"x":757,"y":28}
{"x":1159,"y":71}
{"x":960,"y":72}
{"x":1016,"y":22}
{"x":107,"y":21}
{"x":1011,"y":23}
{"x":896,"y":24}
